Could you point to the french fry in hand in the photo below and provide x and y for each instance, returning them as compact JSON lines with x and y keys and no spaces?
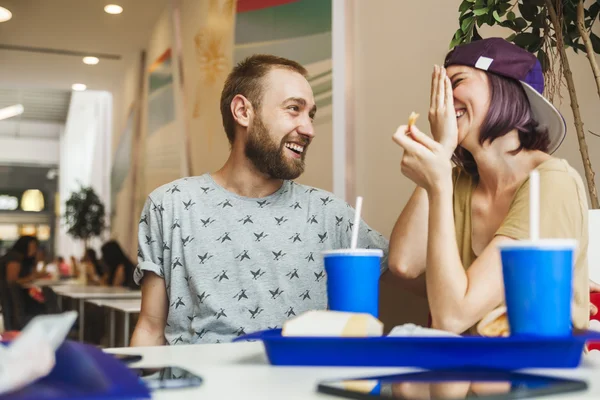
{"x":412,"y":119}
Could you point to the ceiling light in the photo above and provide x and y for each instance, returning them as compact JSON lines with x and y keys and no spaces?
{"x":78,"y":87}
{"x":12,"y":111}
{"x":91,"y":60}
{"x":113,"y":9}
{"x":32,"y":200}
{"x":5,"y":15}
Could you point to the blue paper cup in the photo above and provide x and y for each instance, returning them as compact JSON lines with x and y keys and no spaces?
{"x":353,"y":280}
{"x":538,"y":285}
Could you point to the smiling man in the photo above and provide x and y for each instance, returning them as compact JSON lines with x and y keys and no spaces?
{"x":238,"y":250}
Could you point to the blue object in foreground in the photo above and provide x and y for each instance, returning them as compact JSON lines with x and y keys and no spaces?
{"x":353,"y":280}
{"x":538,"y":285}
{"x":509,"y":353}
{"x":84,"y":372}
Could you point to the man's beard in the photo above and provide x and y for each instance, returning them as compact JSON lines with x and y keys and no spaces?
{"x":268,"y":157}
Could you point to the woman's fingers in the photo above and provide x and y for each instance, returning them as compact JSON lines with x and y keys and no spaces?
{"x":441,"y":90}
{"x":434,"y":85}
{"x":405,"y":141}
{"x":422,"y":138}
{"x":449,"y":95}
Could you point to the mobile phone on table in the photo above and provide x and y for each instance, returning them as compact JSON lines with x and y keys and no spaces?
{"x":168,"y":378}
{"x":452,"y":385}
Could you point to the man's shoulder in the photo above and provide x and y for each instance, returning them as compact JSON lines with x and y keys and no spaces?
{"x":320,"y":196}
{"x":182,"y":185}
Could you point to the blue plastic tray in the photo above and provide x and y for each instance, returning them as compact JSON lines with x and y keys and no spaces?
{"x":509,"y":353}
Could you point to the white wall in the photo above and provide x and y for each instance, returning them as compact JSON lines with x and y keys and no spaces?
{"x":14,"y":127}
{"x":29,"y":142}
{"x":85,"y":156}
{"x":29,"y":151}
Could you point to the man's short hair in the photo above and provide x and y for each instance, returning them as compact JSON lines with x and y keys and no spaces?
{"x":246,"y":79}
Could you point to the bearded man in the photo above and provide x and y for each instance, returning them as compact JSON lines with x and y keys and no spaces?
{"x":239,"y":250}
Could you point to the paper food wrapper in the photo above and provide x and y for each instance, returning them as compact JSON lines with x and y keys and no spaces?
{"x":495,"y":324}
{"x":31,"y":355}
{"x":333,"y":323}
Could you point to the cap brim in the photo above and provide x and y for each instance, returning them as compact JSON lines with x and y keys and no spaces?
{"x":547,"y":116}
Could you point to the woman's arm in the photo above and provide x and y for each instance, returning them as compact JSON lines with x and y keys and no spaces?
{"x":408,"y":242}
{"x":458,"y":299}
{"x":119,"y":278}
{"x":13,"y":269}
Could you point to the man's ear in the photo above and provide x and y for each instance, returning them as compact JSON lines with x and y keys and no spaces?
{"x":242,"y":111}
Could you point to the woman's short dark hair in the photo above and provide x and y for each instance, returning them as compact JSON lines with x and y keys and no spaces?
{"x":509,"y":109}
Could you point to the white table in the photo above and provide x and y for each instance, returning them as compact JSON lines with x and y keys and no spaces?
{"x":241,"y":370}
{"x":126,"y":306}
{"x":51,"y":282}
{"x":82,"y":293}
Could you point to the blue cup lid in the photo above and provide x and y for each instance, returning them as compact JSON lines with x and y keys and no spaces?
{"x":354,"y":252}
{"x":540,"y":244}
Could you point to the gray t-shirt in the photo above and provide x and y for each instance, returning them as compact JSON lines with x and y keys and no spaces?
{"x":234,"y":265}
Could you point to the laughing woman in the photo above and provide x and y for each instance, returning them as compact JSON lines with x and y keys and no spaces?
{"x":488,"y":115}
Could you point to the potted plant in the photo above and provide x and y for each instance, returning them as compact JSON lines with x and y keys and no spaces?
{"x":85,"y":215}
{"x":545,"y":28}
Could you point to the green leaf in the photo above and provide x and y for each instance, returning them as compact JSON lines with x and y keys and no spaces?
{"x":508,"y":24}
{"x":525,"y":39}
{"x":579,"y":46}
{"x":528,"y":10}
{"x":456,"y":39}
{"x":511,"y":16}
{"x":573,"y":32}
{"x":537,"y":44}
{"x":511,"y":37}
{"x":467,"y":24}
{"x":595,"y":42}
{"x":497,"y":16}
{"x":504,"y":7}
{"x":594,"y":10}
{"x":481,"y":11}
{"x":520,"y":24}
{"x":464,"y":6}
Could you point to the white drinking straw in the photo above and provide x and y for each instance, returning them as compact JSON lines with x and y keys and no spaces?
{"x":358,"y":209}
{"x":534,"y":205}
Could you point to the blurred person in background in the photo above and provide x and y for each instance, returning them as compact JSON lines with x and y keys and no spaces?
{"x":18,"y":266}
{"x":95,"y":270}
{"x":64,"y":269}
{"x":46,"y":265}
{"x":119,"y":268}
{"x":75,"y":267}
{"x":117,"y":271}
